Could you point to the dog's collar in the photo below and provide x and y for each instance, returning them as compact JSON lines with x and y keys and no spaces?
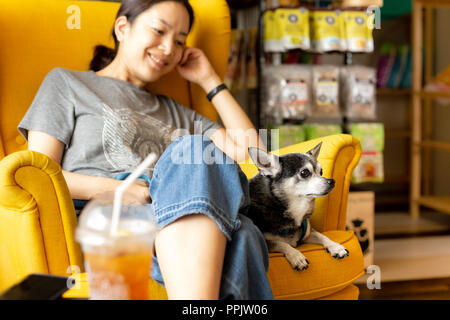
{"x":289,"y":231}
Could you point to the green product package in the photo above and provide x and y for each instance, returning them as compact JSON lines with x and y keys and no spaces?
{"x":370,"y":135}
{"x":317,"y":130}
{"x":286,"y":135}
{"x":370,"y":167}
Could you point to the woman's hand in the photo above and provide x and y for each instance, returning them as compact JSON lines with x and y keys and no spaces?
{"x":194,"y":66}
{"x":138,"y":194}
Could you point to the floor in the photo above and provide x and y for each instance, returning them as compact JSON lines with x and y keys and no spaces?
{"x":413,"y":256}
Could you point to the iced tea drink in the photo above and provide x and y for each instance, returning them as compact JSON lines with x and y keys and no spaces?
{"x":118,"y":266}
{"x":122,"y":276}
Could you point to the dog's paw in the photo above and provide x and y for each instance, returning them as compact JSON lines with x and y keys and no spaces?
{"x":337,"y":251}
{"x":297,"y":260}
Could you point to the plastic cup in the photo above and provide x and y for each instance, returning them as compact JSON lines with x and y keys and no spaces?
{"x":118,"y":265}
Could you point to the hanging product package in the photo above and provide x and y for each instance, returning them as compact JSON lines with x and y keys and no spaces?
{"x":358,"y":92}
{"x":285,"y":94}
{"x":294,"y":26}
{"x":357,"y":32}
{"x":273,"y":41}
{"x":327,"y":30}
{"x":285,"y":135}
{"x":370,"y":167}
{"x":251,"y":60}
{"x":233,"y":59}
{"x":318,"y":130}
{"x":325,"y":92}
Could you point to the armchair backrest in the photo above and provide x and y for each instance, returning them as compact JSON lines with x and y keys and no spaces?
{"x":38,"y":36}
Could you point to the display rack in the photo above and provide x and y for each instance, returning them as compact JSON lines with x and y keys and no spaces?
{"x":347,"y":56}
{"x":422,"y":112}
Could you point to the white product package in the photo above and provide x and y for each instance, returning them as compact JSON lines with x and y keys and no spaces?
{"x":325,"y":92}
{"x":286,"y":92}
{"x":359,"y":92}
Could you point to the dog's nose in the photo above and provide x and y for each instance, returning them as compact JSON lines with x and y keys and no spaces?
{"x":331,"y":182}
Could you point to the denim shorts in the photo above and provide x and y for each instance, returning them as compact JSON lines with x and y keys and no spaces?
{"x":183,"y":184}
{"x":193,"y":176}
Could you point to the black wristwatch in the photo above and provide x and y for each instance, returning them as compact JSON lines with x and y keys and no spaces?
{"x":215,"y":91}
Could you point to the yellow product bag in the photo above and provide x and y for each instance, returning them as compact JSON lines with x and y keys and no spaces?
{"x":358,"y":34}
{"x":272,"y":34}
{"x":294,"y":25}
{"x":327,"y":30}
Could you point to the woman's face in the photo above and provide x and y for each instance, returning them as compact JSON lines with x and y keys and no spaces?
{"x":155,"y":42}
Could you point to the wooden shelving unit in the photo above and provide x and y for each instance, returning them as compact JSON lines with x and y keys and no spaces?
{"x":421,"y":110}
{"x":393,"y":92}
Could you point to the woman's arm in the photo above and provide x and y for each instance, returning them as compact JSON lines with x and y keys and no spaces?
{"x":84,"y":187}
{"x":239,"y":133}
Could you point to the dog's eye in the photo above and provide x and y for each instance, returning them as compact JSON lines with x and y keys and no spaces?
{"x":305,"y":173}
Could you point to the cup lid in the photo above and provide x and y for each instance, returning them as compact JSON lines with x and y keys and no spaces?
{"x":94,"y":224}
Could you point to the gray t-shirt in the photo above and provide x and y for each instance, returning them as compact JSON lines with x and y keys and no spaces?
{"x":108,"y":125}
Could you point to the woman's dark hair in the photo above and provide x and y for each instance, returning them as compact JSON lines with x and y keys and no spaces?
{"x":131,"y":9}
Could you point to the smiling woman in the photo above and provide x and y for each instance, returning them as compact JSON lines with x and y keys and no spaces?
{"x":104,"y":55}
{"x":148,"y":43}
{"x":100,"y":124}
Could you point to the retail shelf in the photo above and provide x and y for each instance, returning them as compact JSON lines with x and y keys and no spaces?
{"x":440,"y":203}
{"x":390,"y":134}
{"x":440,"y":145}
{"x":433,"y":94}
{"x":434,"y":3}
{"x":393,"y":92}
{"x":421,"y":125}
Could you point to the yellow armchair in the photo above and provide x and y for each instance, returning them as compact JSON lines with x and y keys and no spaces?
{"x":37,"y":217}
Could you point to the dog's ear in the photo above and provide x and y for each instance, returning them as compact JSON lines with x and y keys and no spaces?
{"x":268,"y":164}
{"x":314,"y":152}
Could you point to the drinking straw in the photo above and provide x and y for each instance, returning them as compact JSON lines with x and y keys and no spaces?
{"x":118,"y":194}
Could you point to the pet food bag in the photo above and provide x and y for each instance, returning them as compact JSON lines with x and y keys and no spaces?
{"x":327,"y":30}
{"x":285,"y":94}
{"x":357,"y":32}
{"x":273,"y":41}
{"x":294,"y":25}
{"x":359,"y":92}
{"x":370,"y":167}
{"x":325,"y":92}
{"x":286,"y":135}
{"x":318,"y":130}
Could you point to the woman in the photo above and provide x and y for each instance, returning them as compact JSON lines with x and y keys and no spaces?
{"x":101,"y":123}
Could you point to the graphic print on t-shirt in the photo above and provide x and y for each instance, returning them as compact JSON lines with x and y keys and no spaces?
{"x":129,"y":136}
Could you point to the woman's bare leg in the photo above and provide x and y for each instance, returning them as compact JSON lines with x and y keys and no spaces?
{"x":190,"y":254}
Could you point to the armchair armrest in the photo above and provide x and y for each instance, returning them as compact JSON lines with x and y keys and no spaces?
{"x":338,"y":156}
{"x":37,"y":218}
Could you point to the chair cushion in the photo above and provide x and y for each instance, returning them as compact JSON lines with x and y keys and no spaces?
{"x":350,"y":292}
{"x":325,"y":274}
{"x":324,"y":277}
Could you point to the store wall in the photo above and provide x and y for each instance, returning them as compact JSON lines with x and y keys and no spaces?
{"x":441,"y":159}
